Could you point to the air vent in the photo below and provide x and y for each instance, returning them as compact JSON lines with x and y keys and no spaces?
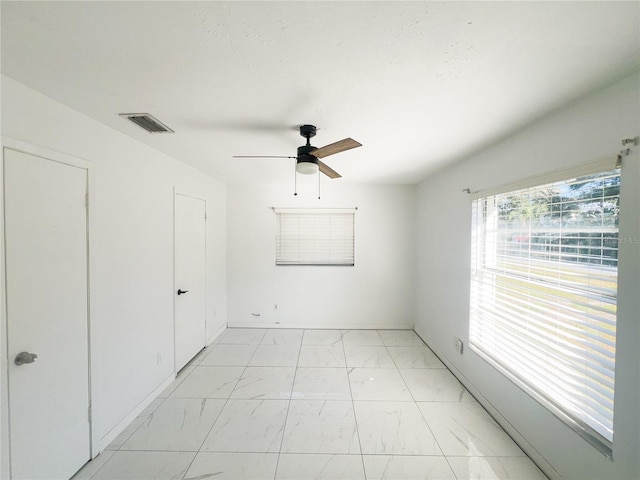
{"x":146,"y":121}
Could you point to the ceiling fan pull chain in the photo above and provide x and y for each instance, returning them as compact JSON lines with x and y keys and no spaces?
{"x":318,"y":184}
{"x":295,"y":181}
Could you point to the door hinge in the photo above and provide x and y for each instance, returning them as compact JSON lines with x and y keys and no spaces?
{"x":86,"y":200}
{"x":90,"y":411}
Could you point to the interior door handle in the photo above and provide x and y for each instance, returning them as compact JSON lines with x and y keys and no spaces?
{"x":25,"y":357}
{"x":180,"y":292}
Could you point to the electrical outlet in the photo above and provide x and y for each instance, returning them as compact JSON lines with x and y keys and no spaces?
{"x":275,"y":306}
{"x":459,"y":346}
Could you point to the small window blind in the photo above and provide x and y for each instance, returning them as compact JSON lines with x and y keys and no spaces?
{"x":315,"y":236}
{"x":544,"y":294}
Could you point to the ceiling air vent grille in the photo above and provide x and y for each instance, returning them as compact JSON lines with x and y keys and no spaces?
{"x":148,"y":122}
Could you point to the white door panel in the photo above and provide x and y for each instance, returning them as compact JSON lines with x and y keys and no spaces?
{"x":47,"y":314}
{"x":190,"y":276}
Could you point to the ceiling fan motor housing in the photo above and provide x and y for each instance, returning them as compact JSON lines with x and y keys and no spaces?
{"x":306,"y":163}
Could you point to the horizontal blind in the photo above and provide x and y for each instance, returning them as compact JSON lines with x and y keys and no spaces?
{"x":315,"y":237}
{"x":544,"y":295}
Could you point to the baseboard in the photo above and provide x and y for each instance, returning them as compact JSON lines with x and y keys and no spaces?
{"x":325,"y":326}
{"x":515,"y":435}
{"x":124,"y":423}
{"x":216,"y":333}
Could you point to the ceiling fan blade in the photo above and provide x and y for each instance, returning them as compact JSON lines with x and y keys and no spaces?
{"x":341,"y":146}
{"x":260,"y":156}
{"x":327,"y":170}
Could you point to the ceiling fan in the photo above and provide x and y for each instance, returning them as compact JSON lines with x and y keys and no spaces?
{"x":308,"y":159}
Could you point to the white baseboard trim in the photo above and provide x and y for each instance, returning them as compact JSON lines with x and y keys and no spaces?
{"x":216,"y":333}
{"x":515,"y":435}
{"x":124,"y":423}
{"x":102,"y":443}
{"x":325,"y":326}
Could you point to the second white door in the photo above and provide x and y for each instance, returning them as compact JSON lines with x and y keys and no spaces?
{"x":190,"y":278}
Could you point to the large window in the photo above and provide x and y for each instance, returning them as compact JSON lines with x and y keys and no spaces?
{"x":543,"y":295}
{"x":315,"y":236}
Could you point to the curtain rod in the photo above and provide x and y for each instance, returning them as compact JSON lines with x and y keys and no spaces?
{"x":556,"y":175}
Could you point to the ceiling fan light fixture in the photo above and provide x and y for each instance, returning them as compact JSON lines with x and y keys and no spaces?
{"x":307,"y":166}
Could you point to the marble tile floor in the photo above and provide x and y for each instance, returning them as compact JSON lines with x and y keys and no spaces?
{"x":313,"y":404}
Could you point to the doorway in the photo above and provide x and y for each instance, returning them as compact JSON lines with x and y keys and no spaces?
{"x":190,"y":277}
{"x":47,"y":314}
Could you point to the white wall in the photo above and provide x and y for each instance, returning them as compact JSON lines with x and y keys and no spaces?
{"x":131,"y":250}
{"x":378,"y":292}
{"x":584,"y":131}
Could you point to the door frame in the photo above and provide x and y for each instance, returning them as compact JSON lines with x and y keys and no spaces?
{"x":9,"y":143}
{"x":185,"y":193}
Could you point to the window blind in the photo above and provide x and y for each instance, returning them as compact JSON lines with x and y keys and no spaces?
{"x":315,"y":237}
{"x":544,"y":295}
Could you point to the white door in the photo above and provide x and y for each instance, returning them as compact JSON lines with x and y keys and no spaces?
{"x":190,"y":278}
{"x":47,"y":290}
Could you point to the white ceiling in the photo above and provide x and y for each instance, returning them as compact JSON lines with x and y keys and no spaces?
{"x":419,"y":84}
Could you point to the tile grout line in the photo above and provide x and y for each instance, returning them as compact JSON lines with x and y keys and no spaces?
{"x":435,"y":439}
{"x":221,"y":410}
{"x":353,"y":406}
{"x":284,"y":425}
{"x":415,"y":402}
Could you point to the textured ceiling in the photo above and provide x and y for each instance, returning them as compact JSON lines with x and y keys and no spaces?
{"x":419,"y":84}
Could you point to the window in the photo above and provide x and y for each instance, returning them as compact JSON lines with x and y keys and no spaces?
{"x":315,"y":236}
{"x":543,"y":295}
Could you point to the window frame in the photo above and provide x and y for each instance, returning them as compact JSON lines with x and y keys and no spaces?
{"x":315,"y":237}
{"x":593,"y":437}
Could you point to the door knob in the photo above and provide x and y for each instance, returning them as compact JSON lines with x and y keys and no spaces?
{"x":180,"y":292}
{"x":25,"y":357}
